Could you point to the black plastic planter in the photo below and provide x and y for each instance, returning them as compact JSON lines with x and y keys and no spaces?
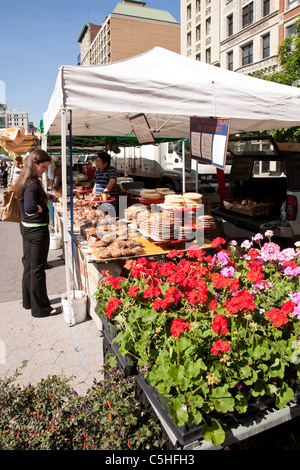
{"x":149,"y":397}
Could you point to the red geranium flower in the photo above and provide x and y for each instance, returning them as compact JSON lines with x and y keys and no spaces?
{"x":255,"y":266}
{"x":241,"y":301}
{"x":173,"y":295}
{"x":219,"y":281}
{"x":255,"y":276}
{"x":132,"y":291}
{"x":220,"y":346}
{"x":277,"y":317}
{"x":179,"y":326}
{"x":160,"y":303}
{"x":152,"y":291}
{"x":288,"y":307}
{"x":219,"y":324}
{"x":234,"y":284}
{"x":213,"y":305}
{"x":175,"y":254}
{"x":112,"y":305}
{"x":113,"y":281}
{"x":196,"y":252}
{"x":197,"y":296}
{"x":253,"y":253}
{"x":217,"y":242}
{"x":167,"y":269}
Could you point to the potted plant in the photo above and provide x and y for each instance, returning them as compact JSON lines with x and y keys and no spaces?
{"x":212,"y":333}
{"x":51,"y":416}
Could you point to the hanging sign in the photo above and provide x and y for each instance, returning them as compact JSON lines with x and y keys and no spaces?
{"x":142,"y":129}
{"x":209,"y":139}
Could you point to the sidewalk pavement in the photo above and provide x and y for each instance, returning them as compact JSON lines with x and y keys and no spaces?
{"x":48,"y":346}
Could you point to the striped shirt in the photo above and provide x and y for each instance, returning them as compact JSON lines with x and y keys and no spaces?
{"x":102,"y":179}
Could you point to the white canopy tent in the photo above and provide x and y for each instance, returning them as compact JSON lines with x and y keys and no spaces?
{"x":168,"y":88}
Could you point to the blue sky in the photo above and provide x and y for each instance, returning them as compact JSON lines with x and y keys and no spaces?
{"x":38,"y":36}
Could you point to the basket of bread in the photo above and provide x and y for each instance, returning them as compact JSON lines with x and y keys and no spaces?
{"x":247,"y":206}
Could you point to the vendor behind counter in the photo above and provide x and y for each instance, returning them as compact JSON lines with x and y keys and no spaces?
{"x":106,"y":176}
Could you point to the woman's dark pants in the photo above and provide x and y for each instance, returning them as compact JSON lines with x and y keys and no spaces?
{"x":35,"y":253}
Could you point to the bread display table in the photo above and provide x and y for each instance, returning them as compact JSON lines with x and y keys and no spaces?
{"x":87,"y":266}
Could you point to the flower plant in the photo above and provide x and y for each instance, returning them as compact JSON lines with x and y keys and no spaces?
{"x":211,"y":332}
{"x":51,"y":416}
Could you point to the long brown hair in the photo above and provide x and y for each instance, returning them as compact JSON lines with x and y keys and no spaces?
{"x":28,"y":174}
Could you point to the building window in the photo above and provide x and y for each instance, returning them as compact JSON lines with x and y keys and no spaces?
{"x":198,"y":32}
{"x":290,"y":29}
{"x":189,"y":12}
{"x":189,"y":39}
{"x":266,"y":46}
{"x":292,"y":4}
{"x":198,"y":6}
{"x":248,"y":15}
{"x":247,"y":54}
{"x":198,"y":57}
{"x":208,"y":55}
{"x":230,"y":25}
{"x":208,"y":26}
{"x":230,"y":60}
{"x":266,"y":7}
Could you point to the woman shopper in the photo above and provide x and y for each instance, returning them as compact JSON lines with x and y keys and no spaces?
{"x":33,"y":202}
{"x":15,"y":170}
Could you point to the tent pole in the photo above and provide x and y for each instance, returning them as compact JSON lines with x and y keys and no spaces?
{"x":71,"y":200}
{"x":183,"y":166}
{"x":125,"y":174}
{"x":65,"y":201}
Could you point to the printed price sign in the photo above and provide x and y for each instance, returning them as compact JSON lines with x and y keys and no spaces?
{"x":209,"y":139}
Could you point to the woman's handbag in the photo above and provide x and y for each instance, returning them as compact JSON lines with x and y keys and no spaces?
{"x":10,"y":211}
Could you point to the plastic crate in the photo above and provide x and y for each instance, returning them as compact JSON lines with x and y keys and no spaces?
{"x":237,"y":427}
{"x":158,"y":407}
{"x":125,"y":364}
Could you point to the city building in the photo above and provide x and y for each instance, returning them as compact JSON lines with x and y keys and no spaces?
{"x":3,"y":119}
{"x":238,"y":35}
{"x":130,"y":29}
{"x":15,"y":118}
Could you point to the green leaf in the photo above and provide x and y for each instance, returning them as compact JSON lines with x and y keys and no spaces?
{"x":277,"y":368}
{"x":245,"y":372}
{"x":271,"y":389}
{"x":213,"y":433}
{"x":193,"y":369}
{"x":220,"y":310}
{"x":262,"y":351}
{"x":252,"y":377}
{"x":177,"y":376}
{"x":241,"y":403}
{"x":285,"y":394}
{"x":149,"y":315}
{"x":258,"y":389}
{"x":184,"y":343}
{"x":222,"y":399}
{"x":111,"y":359}
{"x":178,"y":411}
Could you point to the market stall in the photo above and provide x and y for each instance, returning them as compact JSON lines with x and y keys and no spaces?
{"x":101,"y":242}
{"x":168,"y":89}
